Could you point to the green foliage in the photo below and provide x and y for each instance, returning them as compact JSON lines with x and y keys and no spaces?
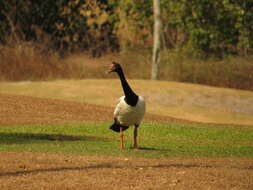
{"x":202,"y":27}
{"x":85,"y":25}
{"x":211,"y":27}
{"x":156,"y":140}
{"x":69,"y":25}
{"x":134,"y":22}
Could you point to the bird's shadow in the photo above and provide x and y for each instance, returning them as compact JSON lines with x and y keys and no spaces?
{"x":12,"y":138}
{"x":147,"y":149}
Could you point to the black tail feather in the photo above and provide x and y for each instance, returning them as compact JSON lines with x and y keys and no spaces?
{"x":116,"y":127}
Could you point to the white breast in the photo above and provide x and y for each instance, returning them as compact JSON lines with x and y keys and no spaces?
{"x":129,"y":115}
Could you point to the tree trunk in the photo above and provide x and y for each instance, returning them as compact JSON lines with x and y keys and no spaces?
{"x":157,"y":40}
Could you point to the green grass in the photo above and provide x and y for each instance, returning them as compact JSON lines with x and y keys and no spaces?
{"x":156,"y":140}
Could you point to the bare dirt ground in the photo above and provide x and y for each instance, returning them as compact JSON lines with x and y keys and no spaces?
{"x":51,"y":171}
{"x":30,"y":110}
{"x":57,"y":171}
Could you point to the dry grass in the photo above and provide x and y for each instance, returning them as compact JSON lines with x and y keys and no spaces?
{"x":232,"y":72}
{"x":26,"y":61}
{"x":33,"y":61}
{"x":178,"y":100}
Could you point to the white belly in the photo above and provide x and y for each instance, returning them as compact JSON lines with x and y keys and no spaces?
{"x":129,"y":115}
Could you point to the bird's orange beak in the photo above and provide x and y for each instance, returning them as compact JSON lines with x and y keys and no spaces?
{"x":111,"y":68}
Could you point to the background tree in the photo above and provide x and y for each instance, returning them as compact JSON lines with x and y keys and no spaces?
{"x":157,"y":40}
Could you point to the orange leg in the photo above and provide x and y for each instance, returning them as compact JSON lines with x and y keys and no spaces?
{"x":121,"y":138}
{"x":135,"y":137}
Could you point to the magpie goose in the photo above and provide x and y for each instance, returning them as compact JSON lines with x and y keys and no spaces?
{"x":130,"y":108}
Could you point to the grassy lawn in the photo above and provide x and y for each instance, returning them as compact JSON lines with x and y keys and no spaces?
{"x":156,"y":140}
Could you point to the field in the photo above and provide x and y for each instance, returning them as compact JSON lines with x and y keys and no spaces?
{"x":54,"y":135}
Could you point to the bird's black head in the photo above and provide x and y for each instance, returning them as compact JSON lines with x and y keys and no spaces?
{"x":114,"y":67}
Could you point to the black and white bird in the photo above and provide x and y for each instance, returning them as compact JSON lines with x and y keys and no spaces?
{"x":129,"y":110}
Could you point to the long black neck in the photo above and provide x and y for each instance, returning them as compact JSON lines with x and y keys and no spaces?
{"x":130,"y":97}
